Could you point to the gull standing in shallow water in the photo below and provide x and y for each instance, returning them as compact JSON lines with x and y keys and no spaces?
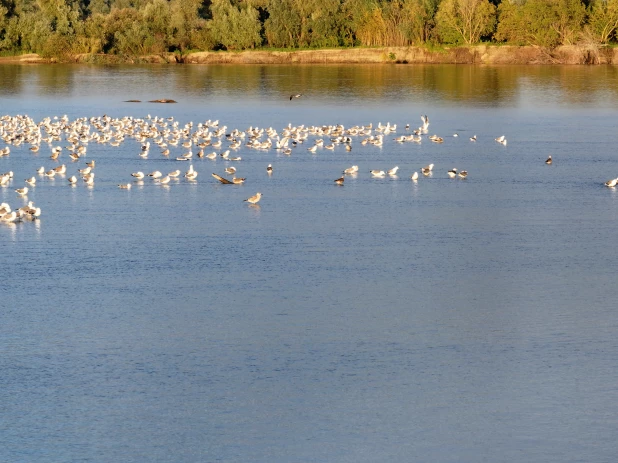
{"x":255,"y":198}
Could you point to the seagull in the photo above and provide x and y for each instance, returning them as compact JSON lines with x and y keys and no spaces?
{"x":174,"y":174}
{"x":72,"y":180}
{"x":548,"y":160}
{"x":155,"y":174}
{"x":31,"y":181}
{"x":414,"y":176}
{"x":377,"y":173}
{"x":393,"y":171}
{"x":269,"y":169}
{"x":351,"y":170}
{"x":452,"y":173}
{"x":463,"y":174}
{"x":612,"y":182}
{"x":296,"y":95}
{"x":138,"y":175}
{"x":501,"y":139}
{"x":340,"y":181}
{"x":427,"y":169}
{"x":238,"y":181}
{"x":22,"y":191}
{"x":425,"y":126}
{"x":473,"y":138}
{"x":255,"y":198}
{"x":125,"y":186}
{"x":230,"y":170}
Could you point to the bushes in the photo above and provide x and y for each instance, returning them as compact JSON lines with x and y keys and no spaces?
{"x":60,"y":28}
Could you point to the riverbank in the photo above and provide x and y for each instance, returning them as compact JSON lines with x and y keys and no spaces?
{"x":479,"y":54}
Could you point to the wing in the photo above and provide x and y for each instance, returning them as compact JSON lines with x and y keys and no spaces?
{"x":222,"y":180}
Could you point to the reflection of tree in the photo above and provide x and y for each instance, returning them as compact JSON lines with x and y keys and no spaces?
{"x":466,"y":83}
{"x":11,"y":79}
{"x":55,"y":80}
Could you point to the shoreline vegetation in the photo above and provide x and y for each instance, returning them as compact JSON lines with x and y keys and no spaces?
{"x":309,"y":31}
{"x":473,"y":54}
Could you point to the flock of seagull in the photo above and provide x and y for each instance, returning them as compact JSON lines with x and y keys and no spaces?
{"x":167,"y":133}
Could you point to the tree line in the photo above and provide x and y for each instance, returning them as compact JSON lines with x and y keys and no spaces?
{"x":61,"y":28}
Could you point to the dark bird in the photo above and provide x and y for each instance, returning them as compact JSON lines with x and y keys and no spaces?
{"x":548,"y":161}
{"x":339,"y":181}
{"x":222,"y":180}
{"x":297,"y":95}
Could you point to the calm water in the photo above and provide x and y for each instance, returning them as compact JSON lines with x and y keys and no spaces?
{"x":382,"y":321}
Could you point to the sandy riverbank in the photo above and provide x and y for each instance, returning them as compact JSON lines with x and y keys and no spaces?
{"x":479,"y":54}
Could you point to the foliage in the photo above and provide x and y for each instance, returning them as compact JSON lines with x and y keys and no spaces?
{"x":235,"y":28}
{"x":603,"y":20}
{"x":546,"y":23}
{"x":62,"y":28}
{"x":465,"y":20}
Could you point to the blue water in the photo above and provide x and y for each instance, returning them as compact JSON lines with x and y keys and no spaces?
{"x":446,"y":320}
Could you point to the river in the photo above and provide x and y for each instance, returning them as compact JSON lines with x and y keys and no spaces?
{"x":441,"y":320}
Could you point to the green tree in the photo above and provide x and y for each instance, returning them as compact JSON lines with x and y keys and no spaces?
{"x":465,"y":20}
{"x":604,"y":19}
{"x":235,"y":28}
{"x":282,"y":28}
{"x":546,"y":23}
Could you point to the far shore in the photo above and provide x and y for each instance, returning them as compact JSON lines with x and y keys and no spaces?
{"x":478,"y":54}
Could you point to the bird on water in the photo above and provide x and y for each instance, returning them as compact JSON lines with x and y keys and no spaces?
{"x":254,"y":199}
{"x":296,"y":95}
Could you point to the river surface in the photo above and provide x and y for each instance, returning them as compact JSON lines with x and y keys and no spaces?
{"x":385,"y":320}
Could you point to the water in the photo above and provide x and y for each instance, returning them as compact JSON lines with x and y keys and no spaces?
{"x":447,"y":320}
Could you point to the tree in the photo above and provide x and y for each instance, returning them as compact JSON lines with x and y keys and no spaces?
{"x":465,"y":20}
{"x":604,"y":19}
{"x":546,"y":23}
{"x":235,"y":28}
{"x":282,"y":28}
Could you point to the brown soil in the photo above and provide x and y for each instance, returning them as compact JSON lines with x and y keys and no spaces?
{"x":480,"y":54}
